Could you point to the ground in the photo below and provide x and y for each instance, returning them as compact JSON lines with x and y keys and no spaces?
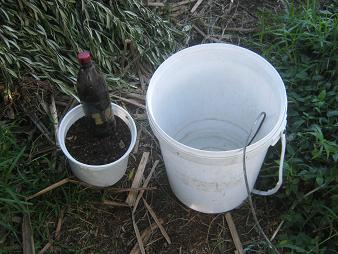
{"x":94,"y":227}
{"x":88,"y":225}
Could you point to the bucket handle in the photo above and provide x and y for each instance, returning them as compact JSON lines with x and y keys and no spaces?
{"x":280,"y":174}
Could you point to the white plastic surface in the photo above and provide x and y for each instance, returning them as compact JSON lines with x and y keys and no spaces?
{"x":97,"y":175}
{"x":201,"y":103}
{"x":280,"y":171}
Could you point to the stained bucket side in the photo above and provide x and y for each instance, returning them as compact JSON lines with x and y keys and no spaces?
{"x":195,"y":126}
{"x":97,"y":175}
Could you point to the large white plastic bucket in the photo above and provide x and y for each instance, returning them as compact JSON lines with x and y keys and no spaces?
{"x":201,"y":105}
{"x":97,"y":175}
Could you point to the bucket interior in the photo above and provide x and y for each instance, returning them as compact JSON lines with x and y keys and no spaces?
{"x":208,"y":97}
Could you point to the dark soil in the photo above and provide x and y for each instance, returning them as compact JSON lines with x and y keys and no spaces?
{"x":91,"y":226}
{"x":86,"y":147}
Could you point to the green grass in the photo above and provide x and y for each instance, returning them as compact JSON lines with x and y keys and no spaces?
{"x":42,"y":41}
{"x":19,"y":177}
{"x":41,"y":38}
{"x":302,"y":45}
{"x":22,"y":176}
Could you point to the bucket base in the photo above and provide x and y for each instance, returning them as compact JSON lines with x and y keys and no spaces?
{"x":197,"y":207}
{"x":212,"y":135}
{"x":202,"y":103}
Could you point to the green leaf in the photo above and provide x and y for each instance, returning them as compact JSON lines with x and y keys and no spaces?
{"x":9,"y":28}
{"x":12,"y":73}
{"x":131,"y":13}
{"x":319,"y":180}
{"x":322,"y":95}
{"x":291,"y":247}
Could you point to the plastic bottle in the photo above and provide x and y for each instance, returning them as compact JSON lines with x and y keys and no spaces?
{"x":94,"y":96}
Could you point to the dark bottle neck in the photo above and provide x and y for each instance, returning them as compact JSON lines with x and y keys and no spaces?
{"x":87,"y":65}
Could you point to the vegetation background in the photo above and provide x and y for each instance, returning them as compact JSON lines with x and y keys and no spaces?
{"x":38,"y":44}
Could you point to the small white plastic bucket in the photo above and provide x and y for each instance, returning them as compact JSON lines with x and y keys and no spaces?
{"x":201,"y":104}
{"x":97,"y":175}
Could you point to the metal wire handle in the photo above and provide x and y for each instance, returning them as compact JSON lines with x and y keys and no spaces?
{"x":280,"y":171}
{"x":262,"y":117}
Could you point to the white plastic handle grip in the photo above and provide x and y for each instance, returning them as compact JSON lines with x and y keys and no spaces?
{"x":280,"y":174}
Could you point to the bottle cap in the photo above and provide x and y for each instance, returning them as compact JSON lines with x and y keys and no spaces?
{"x":84,"y":57}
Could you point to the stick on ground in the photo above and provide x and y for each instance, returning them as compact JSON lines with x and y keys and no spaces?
{"x":234,"y":233}
{"x":145,"y":236}
{"x":114,"y":203}
{"x":137,"y":179}
{"x":136,"y":96}
{"x":152,"y":213}
{"x":155,"y":4}
{"x":27,"y":235}
{"x":49,"y":188}
{"x":59,"y":225}
{"x":196,"y":6}
{"x":145,"y":184}
{"x":199,"y":31}
{"x":130,"y":101}
{"x":55,"y":120}
{"x":57,"y":232}
{"x":138,"y":236}
{"x":45,"y":248}
{"x":41,"y":127}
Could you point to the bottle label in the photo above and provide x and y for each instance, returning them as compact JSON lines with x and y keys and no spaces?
{"x":97,"y":118}
{"x":102,"y":117}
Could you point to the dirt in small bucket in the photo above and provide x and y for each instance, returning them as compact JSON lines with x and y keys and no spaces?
{"x":86,"y":147}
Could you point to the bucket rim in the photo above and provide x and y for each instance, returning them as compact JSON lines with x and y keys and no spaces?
{"x":78,"y":111}
{"x":270,"y":137}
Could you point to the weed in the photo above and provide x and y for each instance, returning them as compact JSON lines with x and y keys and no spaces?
{"x":302,"y":44}
{"x":41,"y":38}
